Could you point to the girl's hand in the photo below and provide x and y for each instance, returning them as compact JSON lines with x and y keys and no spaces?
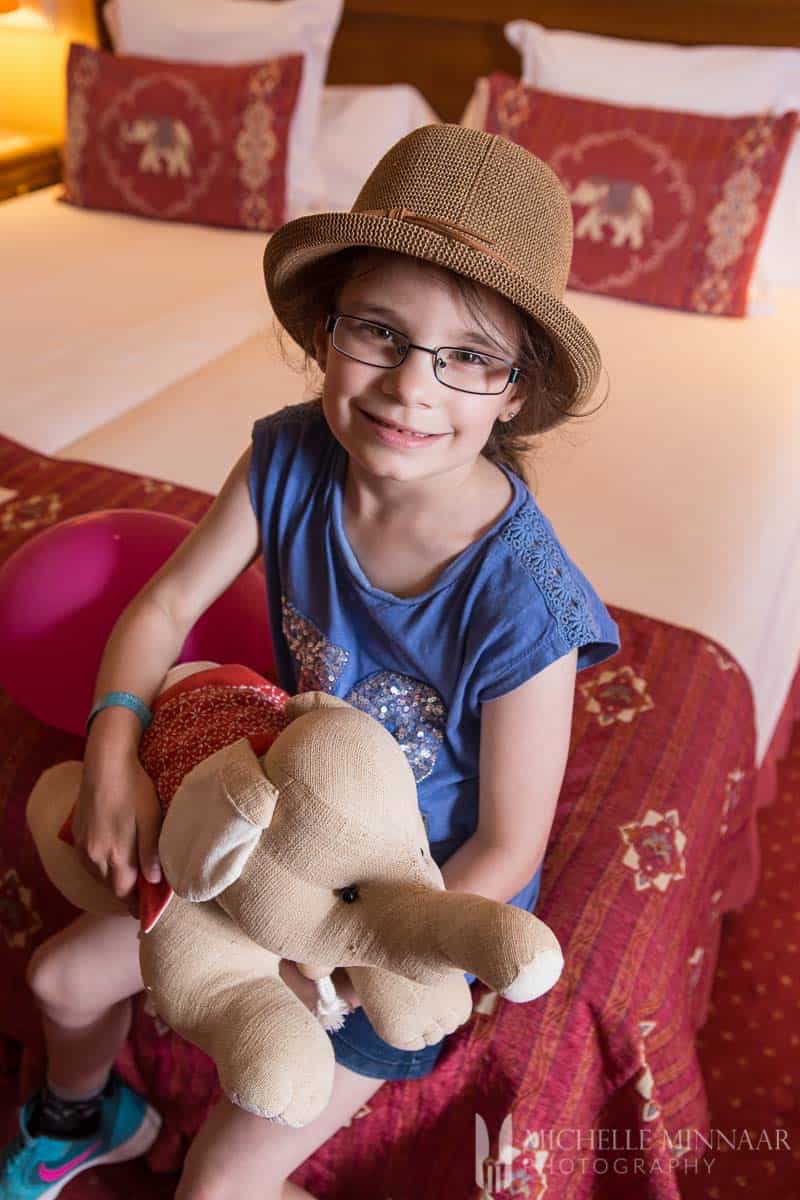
{"x":306,"y":989}
{"x":344,"y":987}
{"x":116,"y":823}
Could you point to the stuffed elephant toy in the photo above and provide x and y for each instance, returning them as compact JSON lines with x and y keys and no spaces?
{"x":292,"y":830}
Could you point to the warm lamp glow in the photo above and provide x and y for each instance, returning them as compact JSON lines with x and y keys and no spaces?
{"x":16,"y":15}
{"x":33,"y":64}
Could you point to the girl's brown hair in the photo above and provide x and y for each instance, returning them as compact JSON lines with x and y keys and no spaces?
{"x":548,"y":378}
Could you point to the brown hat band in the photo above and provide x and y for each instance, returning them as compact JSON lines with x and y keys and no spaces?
{"x":460,"y":233}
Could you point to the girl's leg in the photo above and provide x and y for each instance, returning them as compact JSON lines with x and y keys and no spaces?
{"x":236,"y":1154}
{"x":83,"y":979}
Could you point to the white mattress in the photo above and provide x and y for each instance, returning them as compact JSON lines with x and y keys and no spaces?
{"x":193,"y":431}
{"x":107,"y":309}
{"x":680,"y":498}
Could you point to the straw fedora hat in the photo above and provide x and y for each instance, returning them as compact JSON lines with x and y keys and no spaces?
{"x":464,"y":199}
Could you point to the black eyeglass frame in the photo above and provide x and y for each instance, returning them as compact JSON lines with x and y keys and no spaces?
{"x":514,"y":372}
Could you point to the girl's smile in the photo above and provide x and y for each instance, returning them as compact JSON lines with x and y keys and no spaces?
{"x":393,"y":433}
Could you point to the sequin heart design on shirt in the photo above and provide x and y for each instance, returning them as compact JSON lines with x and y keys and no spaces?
{"x":412,"y":711}
{"x":318,"y":662}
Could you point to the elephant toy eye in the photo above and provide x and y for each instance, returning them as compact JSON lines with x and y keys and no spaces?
{"x":349,"y":894}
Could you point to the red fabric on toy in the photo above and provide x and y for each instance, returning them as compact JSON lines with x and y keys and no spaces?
{"x":194,"y":718}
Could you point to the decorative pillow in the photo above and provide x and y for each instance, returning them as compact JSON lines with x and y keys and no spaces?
{"x":668,"y":207}
{"x":241,"y":31}
{"x":718,"y":80}
{"x":179,"y":141}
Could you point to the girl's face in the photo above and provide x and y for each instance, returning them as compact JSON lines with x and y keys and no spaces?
{"x":417,"y":300}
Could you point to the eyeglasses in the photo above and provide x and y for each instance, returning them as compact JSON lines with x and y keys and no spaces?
{"x":457,"y":368}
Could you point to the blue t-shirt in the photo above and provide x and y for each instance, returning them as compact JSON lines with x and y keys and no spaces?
{"x":511,"y":603}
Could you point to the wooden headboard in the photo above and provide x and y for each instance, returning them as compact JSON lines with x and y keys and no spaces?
{"x":442,"y":46}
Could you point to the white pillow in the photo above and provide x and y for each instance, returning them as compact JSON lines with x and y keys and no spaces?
{"x":237,"y":31}
{"x":718,"y":80}
{"x":357,"y":126}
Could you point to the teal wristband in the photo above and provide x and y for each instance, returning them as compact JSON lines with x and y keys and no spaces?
{"x":121,"y":700}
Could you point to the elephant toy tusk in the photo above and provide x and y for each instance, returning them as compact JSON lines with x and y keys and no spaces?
{"x":331,"y":1009}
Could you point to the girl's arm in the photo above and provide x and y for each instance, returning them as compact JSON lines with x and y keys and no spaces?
{"x":525,"y":738}
{"x":117,"y":816}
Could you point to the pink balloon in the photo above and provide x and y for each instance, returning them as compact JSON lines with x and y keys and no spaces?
{"x":63,"y":590}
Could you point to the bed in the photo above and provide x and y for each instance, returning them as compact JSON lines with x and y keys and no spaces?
{"x":692,"y":539}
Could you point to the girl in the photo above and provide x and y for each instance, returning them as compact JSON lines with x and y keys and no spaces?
{"x":409,"y":570}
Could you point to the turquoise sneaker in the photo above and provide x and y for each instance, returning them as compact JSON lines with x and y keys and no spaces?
{"x":37,"y":1168}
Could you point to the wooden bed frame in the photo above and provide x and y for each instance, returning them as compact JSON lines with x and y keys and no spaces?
{"x":442,"y":46}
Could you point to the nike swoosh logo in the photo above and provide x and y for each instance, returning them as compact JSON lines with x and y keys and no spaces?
{"x":53,"y":1174}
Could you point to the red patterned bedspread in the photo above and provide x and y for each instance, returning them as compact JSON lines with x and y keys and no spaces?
{"x":654,"y":839}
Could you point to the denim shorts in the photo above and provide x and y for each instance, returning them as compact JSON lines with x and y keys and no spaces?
{"x":357,"y":1046}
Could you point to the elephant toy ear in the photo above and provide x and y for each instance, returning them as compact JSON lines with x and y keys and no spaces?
{"x":310,"y":701}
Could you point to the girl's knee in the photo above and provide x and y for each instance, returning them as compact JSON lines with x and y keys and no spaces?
{"x":42,"y":972}
{"x":55,"y":977}
{"x":87,"y":968}
{"x":49,"y":977}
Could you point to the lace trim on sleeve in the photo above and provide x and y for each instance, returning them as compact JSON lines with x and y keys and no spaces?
{"x":544,"y":560}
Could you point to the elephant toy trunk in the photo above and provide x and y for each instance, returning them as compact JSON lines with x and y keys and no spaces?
{"x":510,"y":950}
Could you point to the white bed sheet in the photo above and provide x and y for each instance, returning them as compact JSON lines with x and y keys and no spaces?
{"x":679,"y":498}
{"x":193,"y":431}
{"x":88,"y":335}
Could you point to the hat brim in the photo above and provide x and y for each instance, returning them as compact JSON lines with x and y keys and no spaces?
{"x":307,"y":239}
